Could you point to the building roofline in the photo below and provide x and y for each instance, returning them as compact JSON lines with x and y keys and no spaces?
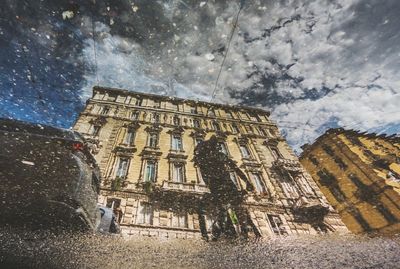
{"x":337,"y":131}
{"x":170,"y":98}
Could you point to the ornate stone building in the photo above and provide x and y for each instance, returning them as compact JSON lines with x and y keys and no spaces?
{"x":144,"y":145}
{"x":360,"y":176}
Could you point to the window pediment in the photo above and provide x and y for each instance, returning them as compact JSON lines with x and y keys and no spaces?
{"x":98,"y":121}
{"x":272,"y":142}
{"x":198,"y":133}
{"x":133,"y":125}
{"x":153,"y":129}
{"x":176,"y":130}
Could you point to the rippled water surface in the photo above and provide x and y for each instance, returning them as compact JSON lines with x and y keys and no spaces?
{"x":39,"y":250}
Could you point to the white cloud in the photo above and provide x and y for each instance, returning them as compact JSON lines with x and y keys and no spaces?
{"x":303,"y":47}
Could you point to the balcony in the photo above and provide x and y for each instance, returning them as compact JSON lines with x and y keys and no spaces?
{"x":310,"y":210}
{"x":288,"y":165}
{"x":185,"y":195}
{"x":125,"y":149}
{"x":177,"y":154}
{"x":184,"y":187}
{"x":151,"y":151}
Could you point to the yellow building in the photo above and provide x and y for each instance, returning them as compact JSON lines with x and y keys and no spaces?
{"x":146,"y":142}
{"x":359,"y":175}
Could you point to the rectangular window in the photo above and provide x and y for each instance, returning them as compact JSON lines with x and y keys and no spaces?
{"x":177,"y":121}
{"x":223,"y":148}
{"x":150,"y":172}
{"x":198,"y":140}
{"x":178,"y":172}
{"x":130,"y":136}
{"x":111,"y":98}
{"x":229,"y":115}
{"x":156,"y":118}
{"x":211,"y":112}
{"x":122,"y":168}
{"x":244,"y":115}
{"x":157,"y":104}
{"x":275,"y":153}
{"x":199,"y":176}
{"x":263,"y":132}
{"x":179,"y":220}
{"x":304,"y":184}
{"x":196,"y":123}
{"x":193,"y":110}
{"x":94,"y":130}
{"x":134,"y":115}
{"x":216,"y":126}
{"x":245,"y":151}
{"x":153,"y":140}
{"x":254,"y":116}
{"x":138,"y":102}
{"x":276,"y":224}
{"x":105,"y":110}
{"x":235,"y":128}
{"x":249,"y":129}
{"x":289,"y":186}
{"x":115,"y":204}
{"x":177,"y":142}
{"x":259,"y":183}
{"x":234,"y":179}
{"x":144,"y":214}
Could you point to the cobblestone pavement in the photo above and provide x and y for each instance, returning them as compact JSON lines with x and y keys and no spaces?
{"x":40,"y":250}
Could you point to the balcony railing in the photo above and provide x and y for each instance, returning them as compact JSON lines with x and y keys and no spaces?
{"x":311,"y":208}
{"x":288,"y":165}
{"x":184,"y":186}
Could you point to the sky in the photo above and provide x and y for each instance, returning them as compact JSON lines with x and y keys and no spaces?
{"x":314,"y":64}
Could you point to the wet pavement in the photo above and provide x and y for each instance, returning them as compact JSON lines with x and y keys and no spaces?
{"x":43,"y":250}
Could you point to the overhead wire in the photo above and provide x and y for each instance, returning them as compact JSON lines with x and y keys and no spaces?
{"x":227,"y":50}
{"x":94,"y":48}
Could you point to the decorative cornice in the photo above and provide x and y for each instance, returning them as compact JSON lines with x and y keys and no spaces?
{"x":198,"y":133}
{"x":155,"y":128}
{"x":99,"y":120}
{"x":288,"y":165}
{"x":175,"y":99}
{"x":177,"y":155}
{"x":150,"y":153}
{"x":123,"y":150}
{"x":176,"y":130}
{"x":132,"y":124}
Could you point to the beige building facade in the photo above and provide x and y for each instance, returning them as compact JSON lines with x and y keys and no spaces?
{"x":144,"y":145}
{"x":359,"y":173}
